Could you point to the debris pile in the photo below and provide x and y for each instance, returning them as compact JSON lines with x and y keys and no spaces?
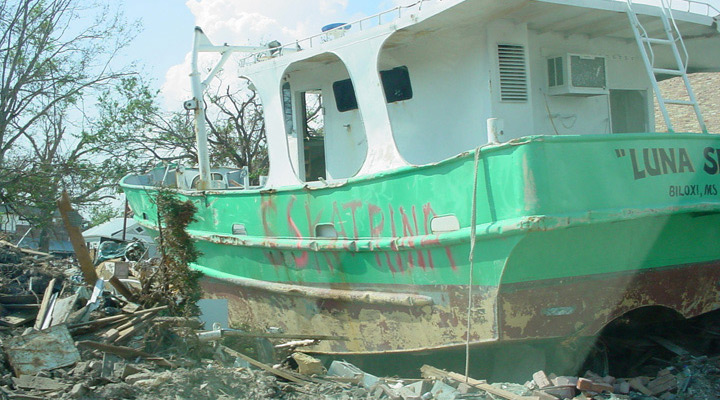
{"x":64,"y":338}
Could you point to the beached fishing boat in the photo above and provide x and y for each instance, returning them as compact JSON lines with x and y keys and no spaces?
{"x":483,"y":166}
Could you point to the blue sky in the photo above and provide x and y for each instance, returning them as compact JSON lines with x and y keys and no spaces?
{"x":162,"y":47}
{"x":165,"y":40}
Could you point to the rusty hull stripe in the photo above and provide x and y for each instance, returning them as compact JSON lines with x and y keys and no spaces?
{"x":370,"y":328}
{"x":584,"y":305}
{"x":532,"y":310}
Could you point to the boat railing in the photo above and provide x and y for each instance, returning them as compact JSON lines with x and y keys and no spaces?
{"x":382,"y":18}
{"x":696,"y":7}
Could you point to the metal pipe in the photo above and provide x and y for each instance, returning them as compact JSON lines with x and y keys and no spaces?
{"x":199,"y":108}
{"x":125,"y":215}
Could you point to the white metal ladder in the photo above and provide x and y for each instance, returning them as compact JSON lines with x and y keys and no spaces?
{"x":675,"y":41}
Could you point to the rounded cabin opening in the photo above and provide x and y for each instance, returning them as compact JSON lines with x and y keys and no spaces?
{"x":323,"y":125}
{"x":436,"y":95}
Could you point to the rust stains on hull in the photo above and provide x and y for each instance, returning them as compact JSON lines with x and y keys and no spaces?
{"x":370,"y":327}
{"x":584,"y":305}
{"x":555,"y":308}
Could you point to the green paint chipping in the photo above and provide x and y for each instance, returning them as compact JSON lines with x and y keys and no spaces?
{"x":548,"y":207}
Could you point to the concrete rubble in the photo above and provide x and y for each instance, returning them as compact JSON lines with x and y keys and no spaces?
{"x":63,"y":338}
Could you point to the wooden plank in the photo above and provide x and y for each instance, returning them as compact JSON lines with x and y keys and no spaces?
{"x":125,"y":352}
{"x":77,"y":240}
{"x":18,"y":298}
{"x":42,"y":313}
{"x":62,"y":310}
{"x":122,"y":289}
{"x":264,"y":367}
{"x":41,"y":350}
{"x":38,"y":383}
{"x":19,"y":319}
{"x":27,"y":251}
{"x":228,"y":332}
{"x":20,"y":306}
{"x":432,"y":372}
{"x":116,"y":318}
{"x":131,"y":331}
{"x":48,"y":315}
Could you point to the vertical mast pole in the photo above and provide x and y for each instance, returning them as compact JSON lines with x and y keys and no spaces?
{"x":199,"y":108}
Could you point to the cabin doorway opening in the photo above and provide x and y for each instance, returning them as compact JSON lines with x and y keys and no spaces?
{"x":629,"y":111}
{"x":313,"y":135}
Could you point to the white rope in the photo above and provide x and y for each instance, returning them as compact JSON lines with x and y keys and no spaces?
{"x":473,"y":224}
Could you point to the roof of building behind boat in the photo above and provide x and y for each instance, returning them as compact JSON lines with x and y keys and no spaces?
{"x":109,"y":228}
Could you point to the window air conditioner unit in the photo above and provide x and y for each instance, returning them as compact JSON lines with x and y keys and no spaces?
{"x":576,"y":75}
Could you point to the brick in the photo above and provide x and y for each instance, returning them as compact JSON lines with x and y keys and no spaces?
{"x":464,"y":388}
{"x":622,"y":387}
{"x":541,"y":379}
{"x":662,"y":384}
{"x":592,"y":376}
{"x":637,"y":384}
{"x":565,"y":381}
{"x":561,"y":392}
{"x":543,"y":396}
{"x":587,"y":385}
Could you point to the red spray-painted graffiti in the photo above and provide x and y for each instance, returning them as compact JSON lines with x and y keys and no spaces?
{"x":401,"y":262}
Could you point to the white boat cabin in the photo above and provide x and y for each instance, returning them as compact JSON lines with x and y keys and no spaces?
{"x":416,"y":85}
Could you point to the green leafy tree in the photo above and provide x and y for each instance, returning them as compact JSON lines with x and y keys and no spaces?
{"x":51,"y":64}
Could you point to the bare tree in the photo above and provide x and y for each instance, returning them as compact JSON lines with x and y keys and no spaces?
{"x":238,"y":134}
{"x":235,"y":119}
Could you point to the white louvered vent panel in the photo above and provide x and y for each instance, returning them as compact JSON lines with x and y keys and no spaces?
{"x":513,"y":72}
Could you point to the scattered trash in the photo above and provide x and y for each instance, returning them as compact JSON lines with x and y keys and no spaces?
{"x":67,"y":338}
{"x":41,"y":350}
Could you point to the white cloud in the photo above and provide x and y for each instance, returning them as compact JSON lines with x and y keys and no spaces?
{"x":251,"y":22}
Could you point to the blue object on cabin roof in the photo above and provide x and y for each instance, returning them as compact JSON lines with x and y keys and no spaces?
{"x":335,"y":25}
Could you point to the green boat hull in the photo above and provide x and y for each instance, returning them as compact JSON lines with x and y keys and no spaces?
{"x":571,"y":232}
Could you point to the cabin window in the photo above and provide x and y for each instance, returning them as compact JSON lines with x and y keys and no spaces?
{"x":513,"y":72}
{"x":396,"y":83}
{"x":345,"y":95}
{"x":287,"y":108}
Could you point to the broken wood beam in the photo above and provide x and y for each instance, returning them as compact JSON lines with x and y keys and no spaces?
{"x":131,"y":327}
{"x":265,"y":367}
{"x":76,"y":239}
{"x":38,"y":383}
{"x":122,"y":289}
{"x":116,"y":318}
{"x":125,"y":352}
{"x":43,"y":311}
{"x":90,"y":326}
{"x":216,"y":334}
{"x":428,"y":371}
{"x":27,"y":251}
{"x":18,"y":299}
